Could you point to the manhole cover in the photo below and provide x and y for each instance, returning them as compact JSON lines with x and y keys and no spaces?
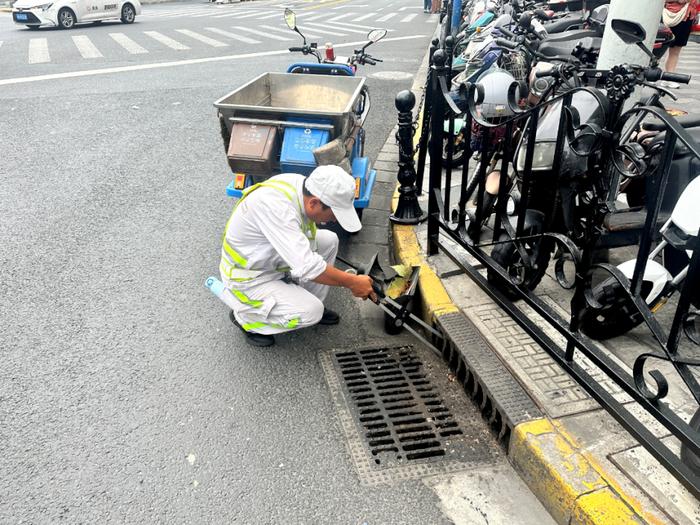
{"x":403,"y":414}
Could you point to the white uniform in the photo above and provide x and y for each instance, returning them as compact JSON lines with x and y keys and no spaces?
{"x":267,"y":237}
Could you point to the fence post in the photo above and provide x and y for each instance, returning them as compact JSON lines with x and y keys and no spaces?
{"x":437,"y":120}
{"x":425,"y":127}
{"x":408,"y":211}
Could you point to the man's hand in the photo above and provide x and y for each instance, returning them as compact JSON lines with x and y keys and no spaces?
{"x":361,"y":286}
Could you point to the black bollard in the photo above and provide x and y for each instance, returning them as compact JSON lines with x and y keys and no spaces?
{"x":408,"y":211}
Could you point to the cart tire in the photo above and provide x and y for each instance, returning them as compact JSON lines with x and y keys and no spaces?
{"x":128,"y":14}
{"x":66,"y":18}
{"x":687,"y":456}
{"x":507,"y":256}
{"x":617,"y":317}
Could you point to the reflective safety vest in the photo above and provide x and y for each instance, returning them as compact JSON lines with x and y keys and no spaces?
{"x":233,"y":265}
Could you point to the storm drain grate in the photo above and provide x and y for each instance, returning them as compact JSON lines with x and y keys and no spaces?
{"x":401,"y":415}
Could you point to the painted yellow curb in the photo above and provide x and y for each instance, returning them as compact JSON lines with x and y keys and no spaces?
{"x":571,"y":485}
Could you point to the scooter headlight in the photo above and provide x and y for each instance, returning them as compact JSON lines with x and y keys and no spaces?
{"x":543,"y":158}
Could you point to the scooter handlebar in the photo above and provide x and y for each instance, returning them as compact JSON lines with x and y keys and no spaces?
{"x":676,"y":77}
{"x":507,"y":32}
{"x":502,"y":42}
{"x":297,"y":50}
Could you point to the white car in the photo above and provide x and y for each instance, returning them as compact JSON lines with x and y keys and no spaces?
{"x":66,"y":13}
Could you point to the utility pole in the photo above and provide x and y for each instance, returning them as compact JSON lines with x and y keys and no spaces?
{"x":614,"y":51}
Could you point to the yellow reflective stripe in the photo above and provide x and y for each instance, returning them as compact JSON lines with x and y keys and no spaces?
{"x":245,"y":299}
{"x":252,"y":326}
{"x":234,"y":255}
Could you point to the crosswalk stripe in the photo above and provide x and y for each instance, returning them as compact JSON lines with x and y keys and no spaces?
{"x":238,"y":15}
{"x":128,"y":44}
{"x":431,"y":19}
{"x":356,"y":26}
{"x":322,"y":31}
{"x":166,"y":40}
{"x":204,"y":39}
{"x":341,"y":16}
{"x":408,"y":18}
{"x":273,"y":15}
{"x":386,"y":17}
{"x":261,"y":33}
{"x":363,"y":17}
{"x":316,"y":17}
{"x":284,"y":30}
{"x":85,"y":47}
{"x":330,"y":26}
{"x":39,"y":51}
{"x":228,"y":34}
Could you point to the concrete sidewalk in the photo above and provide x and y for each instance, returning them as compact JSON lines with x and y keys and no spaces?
{"x":581,"y":464}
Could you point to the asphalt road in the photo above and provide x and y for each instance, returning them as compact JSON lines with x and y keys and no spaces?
{"x":125,"y":393}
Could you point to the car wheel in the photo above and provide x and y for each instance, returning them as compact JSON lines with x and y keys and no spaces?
{"x":66,"y":18}
{"x":128,"y":14}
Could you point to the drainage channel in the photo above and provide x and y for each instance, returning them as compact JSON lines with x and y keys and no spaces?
{"x":404,"y":414}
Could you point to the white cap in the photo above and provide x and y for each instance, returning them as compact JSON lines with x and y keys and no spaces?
{"x":336,"y":188}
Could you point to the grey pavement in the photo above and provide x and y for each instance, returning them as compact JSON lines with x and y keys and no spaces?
{"x":556,"y":393}
{"x":126,"y":395}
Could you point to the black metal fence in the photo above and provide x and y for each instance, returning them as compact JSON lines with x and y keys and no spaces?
{"x":561,"y":204}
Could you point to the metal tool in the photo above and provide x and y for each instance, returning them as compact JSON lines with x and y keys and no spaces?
{"x":395,"y":310}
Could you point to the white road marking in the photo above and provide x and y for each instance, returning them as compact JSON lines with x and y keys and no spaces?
{"x":238,"y":15}
{"x":322,"y":31}
{"x":159,"y":65}
{"x":431,"y":19}
{"x":85,"y":47}
{"x":316,"y":17}
{"x":409,"y":7}
{"x":386,"y":17}
{"x":228,"y":34}
{"x":408,"y":18}
{"x":128,"y":44}
{"x":357,"y":26}
{"x":353,"y":6}
{"x":262,"y":33}
{"x":39,"y":51}
{"x":285,"y":30}
{"x":363,"y":17}
{"x":273,"y":15}
{"x":166,"y":40}
{"x":341,"y":16}
{"x":329,"y":26}
{"x":204,"y":39}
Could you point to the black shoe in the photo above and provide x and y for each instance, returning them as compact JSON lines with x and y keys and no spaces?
{"x":253,"y":338}
{"x":329,"y":317}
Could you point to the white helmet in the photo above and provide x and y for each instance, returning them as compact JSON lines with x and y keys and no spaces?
{"x":495,"y":84}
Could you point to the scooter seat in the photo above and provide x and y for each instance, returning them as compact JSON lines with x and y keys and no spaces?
{"x":623,"y":221}
{"x":574,"y":36}
{"x":564,"y":24}
{"x":681,"y":149}
{"x":556,"y":49}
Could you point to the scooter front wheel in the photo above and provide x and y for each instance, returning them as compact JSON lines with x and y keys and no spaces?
{"x":507,"y":255}
{"x":617,"y":316}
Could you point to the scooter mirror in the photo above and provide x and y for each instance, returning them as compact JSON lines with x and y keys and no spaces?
{"x":375,"y":35}
{"x":629,"y":32}
{"x":290,"y":17}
